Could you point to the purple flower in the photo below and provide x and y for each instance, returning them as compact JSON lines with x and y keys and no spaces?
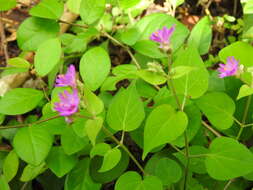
{"x":68,"y":104}
{"x":228,"y":69}
{"x":163,"y":36}
{"x":69,"y":79}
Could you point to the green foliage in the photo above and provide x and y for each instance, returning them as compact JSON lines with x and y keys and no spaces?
{"x":245,"y":90}
{"x":213,"y":104}
{"x":10,"y":167}
{"x":7,"y":4}
{"x":94,"y":67}
{"x":32,"y":144}
{"x":92,"y":128}
{"x":59,"y":162}
{"x":234,"y":158}
{"x":201,"y":35}
{"x":92,"y":10}
{"x":132,"y":180}
{"x":163,"y":125}
{"x":126,"y":4}
{"x":49,"y":9}
{"x":79,"y":177}
{"x":47,"y":56}
{"x":147,"y":114}
{"x":33,"y":31}
{"x":126,"y":111}
{"x":195,"y":83}
{"x":165,"y":167}
{"x":111,"y":159}
{"x":19,"y":101}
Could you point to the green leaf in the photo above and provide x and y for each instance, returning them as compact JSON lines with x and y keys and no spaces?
{"x":95,"y":65}
{"x":92,"y":10}
{"x":3,"y":183}
{"x":34,"y":31}
{"x":248,"y":8}
{"x":72,"y":143}
{"x":111,"y":175}
{"x":50,"y":9}
{"x":163,"y":125}
{"x":32,"y":144}
{"x":79,"y":178}
{"x":132,"y":180}
{"x":126,"y":4}
{"x":152,"y":77}
{"x":126,"y":111}
{"x":180,"y":71}
{"x":125,"y":70}
{"x":100,"y":149}
{"x":148,"y":48}
{"x":47,"y":56}
{"x":129,"y":36}
{"x":201,"y":35}
{"x":151,"y":23}
{"x":168,"y":171}
{"x":193,"y":126}
{"x":10,"y":167}
{"x":20,"y":100}
{"x":7,"y":4}
{"x":74,"y":6}
{"x":19,"y":62}
{"x":30,"y":172}
{"x":228,"y":159}
{"x":240,"y":50}
{"x":111,"y":159}
{"x":60,"y":163}
{"x":213,"y":104}
{"x":245,"y":90}
{"x":195,"y":83}
{"x":94,"y":104}
{"x":93,"y":127}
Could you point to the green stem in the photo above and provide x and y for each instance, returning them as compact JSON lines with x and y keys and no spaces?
{"x":248,"y":125}
{"x":181,"y":108}
{"x":177,"y":149}
{"x":245,"y":114}
{"x":198,"y":155}
{"x":187,"y":161}
{"x":124,"y":148}
{"x":125,"y":47}
{"x":28,"y":124}
{"x":211,"y":129}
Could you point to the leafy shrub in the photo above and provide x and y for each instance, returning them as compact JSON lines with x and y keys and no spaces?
{"x":190,"y":123}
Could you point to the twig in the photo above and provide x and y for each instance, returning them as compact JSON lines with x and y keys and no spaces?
{"x":235,"y":7}
{"x":125,"y":47}
{"x":73,"y":24}
{"x":3,"y":41}
{"x":211,"y":129}
{"x":29,"y":124}
{"x":124,"y":148}
{"x":24,"y":186}
{"x":228,"y":184}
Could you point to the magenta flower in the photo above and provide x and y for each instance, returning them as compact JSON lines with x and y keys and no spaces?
{"x":69,"y":79}
{"x":228,"y":69}
{"x":68,"y":104}
{"x":163,"y":36}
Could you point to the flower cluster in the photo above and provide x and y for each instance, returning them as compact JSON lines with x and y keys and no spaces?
{"x":69,"y":102}
{"x":231,"y":68}
{"x":163,"y":37}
